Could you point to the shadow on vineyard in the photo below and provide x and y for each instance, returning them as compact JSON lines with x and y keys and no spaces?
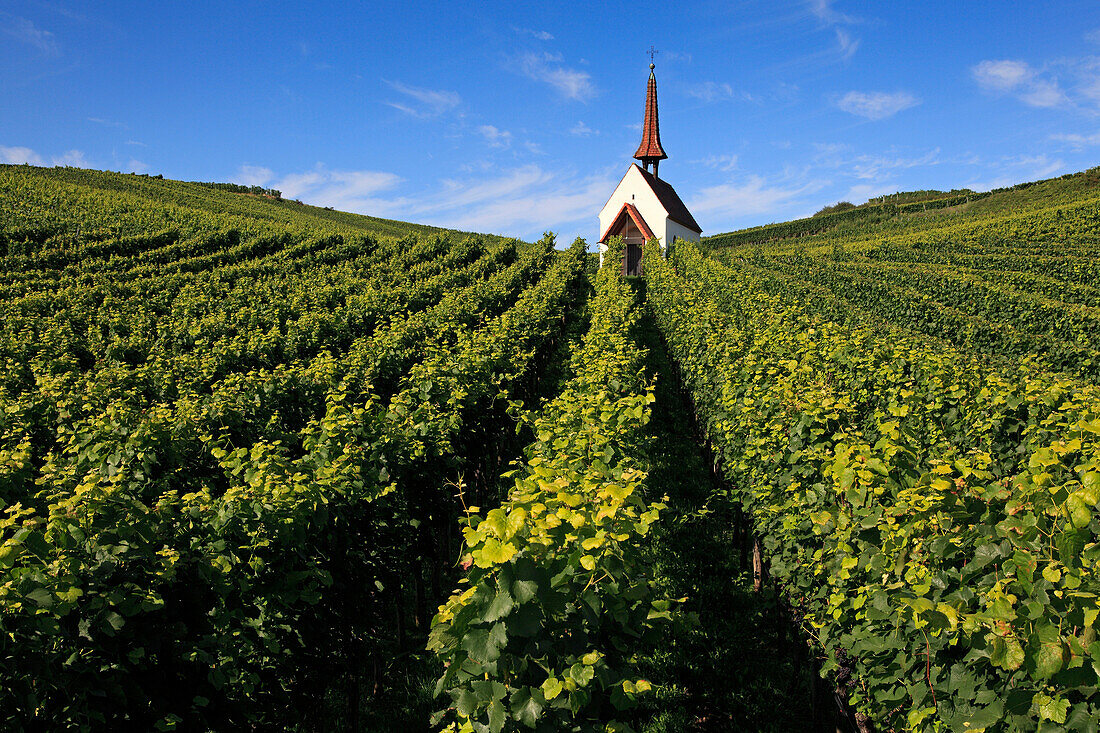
{"x":731,"y":670}
{"x":398,"y":694}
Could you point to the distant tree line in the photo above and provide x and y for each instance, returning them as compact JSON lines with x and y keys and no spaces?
{"x":238,"y":188}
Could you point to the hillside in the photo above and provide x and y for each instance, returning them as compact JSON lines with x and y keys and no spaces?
{"x":917,"y":211}
{"x":905,"y":404}
{"x":1011,"y":275}
{"x":272,"y":467}
{"x":69,"y":195}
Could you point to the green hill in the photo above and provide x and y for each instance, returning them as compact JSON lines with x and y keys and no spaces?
{"x":914,"y":210}
{"x":52,"y":206}
{"x":269,"y":466}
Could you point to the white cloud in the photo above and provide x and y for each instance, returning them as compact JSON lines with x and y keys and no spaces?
{"x":345,"y":190}
{"x":1093,"y":36}
{"x":710,"y":91}
{"x":1076,"y":140}
{"x":540,"y":35}
{"x":136,"y":142}
{"x":876,"y":105}
{"x":877,"y":167}
{"x":730,"y":201}
{"x":25,"y":31}
{"x":1011,"y":170}
{"x":136,"y":166}
{"x":18,"y":156}
{"x":674,"y":56}
{"x":106,"y":123}
{"x":718,"y":162}
{"x":1002,"y":75}
{"x":824,"y":11}
{"x":1043,"y":93}
{"x":495,"y":137}
{"x":547,"y":68}
{"x":846,"y":43}
{"x":423,"y":102}
{"x":582,"y":130}
{"x":524,"y":201}
{"x":1019,"y":78}
{"x":74,"y":158}
{"x":862,"y":192}
{"x":830,"y":17}
{"x":253,"y":175}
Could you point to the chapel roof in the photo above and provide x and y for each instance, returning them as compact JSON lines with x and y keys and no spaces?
{"x":650,"y":147}
{"x":670,"y":200}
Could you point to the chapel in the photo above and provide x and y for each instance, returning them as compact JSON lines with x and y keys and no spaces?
{"x":644,"y":207}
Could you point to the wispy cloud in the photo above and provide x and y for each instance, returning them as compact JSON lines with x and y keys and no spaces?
{"x":136,"y":166}
{"x":1076,"y":140}
{"x":675,"y":56}
{"x":1011,"y":170}
{"x":137,"y":143}
{"x":25,"y":31}
{"x":496,"y":137}
{"x":876,"y":105}
{"x":540,"y":35}
{"x":1019,"y":79}
{"x":547,"y":68}
{"x":106,"y":123}
{"x":826,"y":13}
{"x":726,"y":203}
{"x":877,"y":167}
{"x":847,"y":44}
{"x":829,"y":17}
{"x":718,"y":162}
{"x":344,"y":190}
{"x":523,"y":201}
{"x":582,"y":130}
{"x":421,"y":102}
{"x":710,"y":91}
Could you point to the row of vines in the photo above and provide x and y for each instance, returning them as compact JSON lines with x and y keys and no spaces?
{"x":557,"y":598}
{"x":227,"y":452}
{"x":929,"y":516}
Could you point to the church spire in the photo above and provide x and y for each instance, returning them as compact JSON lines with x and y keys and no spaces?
{"x":650,"y":150}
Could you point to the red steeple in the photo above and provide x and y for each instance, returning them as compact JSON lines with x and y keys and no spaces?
{"x":650,"y":150}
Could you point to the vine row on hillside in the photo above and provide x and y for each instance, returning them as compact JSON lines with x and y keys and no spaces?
{"x":540,"y":632}
{"x":931,"y":520}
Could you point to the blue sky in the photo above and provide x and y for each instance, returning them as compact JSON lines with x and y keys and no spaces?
{"x":520,"y":117}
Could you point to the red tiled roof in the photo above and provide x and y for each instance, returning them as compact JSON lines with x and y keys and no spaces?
{"x":650,"y":148}
{"x":669,"y":199}
{"x":632,"y":211}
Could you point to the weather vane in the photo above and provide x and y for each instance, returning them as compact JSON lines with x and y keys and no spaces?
{"x":652,"y":52}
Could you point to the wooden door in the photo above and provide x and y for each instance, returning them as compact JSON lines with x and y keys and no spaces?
{"x":633,"y":260}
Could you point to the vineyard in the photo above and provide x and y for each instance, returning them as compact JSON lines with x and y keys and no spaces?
{"x":273,"y":467}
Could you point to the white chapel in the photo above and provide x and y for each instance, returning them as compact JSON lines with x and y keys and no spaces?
{"x":644,"y":207}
